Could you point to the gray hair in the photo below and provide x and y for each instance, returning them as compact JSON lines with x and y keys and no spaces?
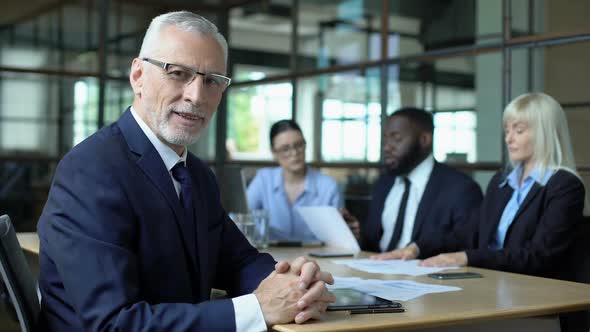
{"x":185,"y":21}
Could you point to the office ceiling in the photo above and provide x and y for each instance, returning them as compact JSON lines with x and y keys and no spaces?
{"x":14,"y":11}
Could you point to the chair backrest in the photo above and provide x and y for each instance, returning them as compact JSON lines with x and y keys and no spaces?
{"x":578,"y":269}
{"x":18,"y":279}
{"x":579,"y":265}
{"x":232,"y":184}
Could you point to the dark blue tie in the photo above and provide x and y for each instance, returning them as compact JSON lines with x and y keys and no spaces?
{"x":182,"y":175}
{"x":401,"y":214}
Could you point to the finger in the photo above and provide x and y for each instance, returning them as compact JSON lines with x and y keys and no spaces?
{"x":313,"y":294}
{"x":407,"y":254}
{"x":387,"y":255}
{"x":308,"y":273}
{"x":447,"y":261}
{"x":297,"y":263}
{"x":325,"y":276}
{"x":282,"y":267}
{"x":444,"y":260}
{"x":354,"y":225}
{"x":327,"y":297}
{"x":313,"y":311}
{"x":427,"y":262}
{"x":345,"y":213}
{"x":431,"y":262}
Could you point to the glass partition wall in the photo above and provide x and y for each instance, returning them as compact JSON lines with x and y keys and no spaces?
{"x":337,"y":67}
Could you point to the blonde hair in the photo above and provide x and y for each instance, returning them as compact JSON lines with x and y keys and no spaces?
{"x":551,"y":138}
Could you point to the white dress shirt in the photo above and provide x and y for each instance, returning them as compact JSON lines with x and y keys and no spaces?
{"x":247,"y":310}
{"x":418,"y":179}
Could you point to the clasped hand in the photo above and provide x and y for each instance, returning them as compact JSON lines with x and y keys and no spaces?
{"x":294,"y":292}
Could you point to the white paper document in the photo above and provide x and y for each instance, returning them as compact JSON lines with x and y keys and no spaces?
{"x":327,"y":225}
{"x":394,"y":290}
{"x":394,"y":266}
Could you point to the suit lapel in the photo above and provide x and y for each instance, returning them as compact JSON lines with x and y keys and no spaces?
{"x":428,"y":197}
{"x":496,"y":210}
{"x":528,"y":199}
{"x":535,"y":189}
{"x":152,"y":165}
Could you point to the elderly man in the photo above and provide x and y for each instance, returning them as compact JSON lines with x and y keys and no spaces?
{"x":133,"y":236}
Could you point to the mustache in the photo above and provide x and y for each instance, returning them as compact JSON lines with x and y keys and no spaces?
{"x":188,"y":108}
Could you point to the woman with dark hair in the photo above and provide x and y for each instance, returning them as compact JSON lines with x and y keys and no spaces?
{"x":280,"y":189}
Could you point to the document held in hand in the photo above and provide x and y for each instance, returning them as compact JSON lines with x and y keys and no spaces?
{"x":327,"y":225}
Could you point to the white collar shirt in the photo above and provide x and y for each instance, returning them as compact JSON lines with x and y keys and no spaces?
{"x":169,"y":156}
{"x":418,"y":177}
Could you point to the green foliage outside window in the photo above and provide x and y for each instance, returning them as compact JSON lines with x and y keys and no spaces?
{"x":242,"y":126}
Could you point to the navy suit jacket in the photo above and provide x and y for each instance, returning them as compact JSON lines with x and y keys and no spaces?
{"x":447,"y":201}
{"x":539,"y":239}
{"x":116,"y":254}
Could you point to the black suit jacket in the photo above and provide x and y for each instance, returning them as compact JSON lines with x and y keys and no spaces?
{"x":116,"y":253}
{"x":448,"y":199}
{"x":538,"y":240}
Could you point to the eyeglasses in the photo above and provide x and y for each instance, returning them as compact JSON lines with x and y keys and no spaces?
{"x":185,"y":75}
{"x":286,"y":150}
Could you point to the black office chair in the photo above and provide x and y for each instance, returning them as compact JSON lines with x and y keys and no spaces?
{"x":578,"y":270}
{"x":18,"y":279}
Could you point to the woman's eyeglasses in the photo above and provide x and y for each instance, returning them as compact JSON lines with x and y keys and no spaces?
{"x":286,"y":150}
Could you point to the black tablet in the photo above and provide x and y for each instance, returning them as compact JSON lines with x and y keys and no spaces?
{"x":330,"y":254}
{"x":454,"y":275}
{"x":351,"y":299}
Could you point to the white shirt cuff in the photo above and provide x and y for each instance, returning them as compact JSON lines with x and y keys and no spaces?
{"x":249,"y":315}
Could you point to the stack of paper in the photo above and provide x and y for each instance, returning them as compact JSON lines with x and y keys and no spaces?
{"x":326,"y":223}
{"x":394,"y":290}
{"x":409,"y":267}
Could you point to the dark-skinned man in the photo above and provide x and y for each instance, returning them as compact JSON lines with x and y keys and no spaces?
{"x":416,"y":198}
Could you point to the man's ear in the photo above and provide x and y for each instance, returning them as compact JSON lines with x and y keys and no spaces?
{"x":136,"y":76}
{"x":425,"y":140}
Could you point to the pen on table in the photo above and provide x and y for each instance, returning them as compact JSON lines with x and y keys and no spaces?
{"x":376,"y":311}
{"x":296,"y":243}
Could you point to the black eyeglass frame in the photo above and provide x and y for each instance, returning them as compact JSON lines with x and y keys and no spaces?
{"x":289,"y":149}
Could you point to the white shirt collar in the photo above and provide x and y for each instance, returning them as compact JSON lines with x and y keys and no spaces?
{"x":420,"y":174}
{"x":168,"y":155}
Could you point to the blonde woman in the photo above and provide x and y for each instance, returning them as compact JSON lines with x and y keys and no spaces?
{"x":527,"y":220}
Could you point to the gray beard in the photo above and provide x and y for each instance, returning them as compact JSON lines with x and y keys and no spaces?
{"x":180,"y":138}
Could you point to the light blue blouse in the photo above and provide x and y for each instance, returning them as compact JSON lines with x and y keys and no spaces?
{"x":516,"y":200}
{"x":266,"y":191}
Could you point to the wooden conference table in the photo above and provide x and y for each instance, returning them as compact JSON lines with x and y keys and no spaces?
{"x":498,"y":301}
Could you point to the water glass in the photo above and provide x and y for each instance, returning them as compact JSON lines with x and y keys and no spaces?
{"x":245,"y":224}
{"x":260,"y":219}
